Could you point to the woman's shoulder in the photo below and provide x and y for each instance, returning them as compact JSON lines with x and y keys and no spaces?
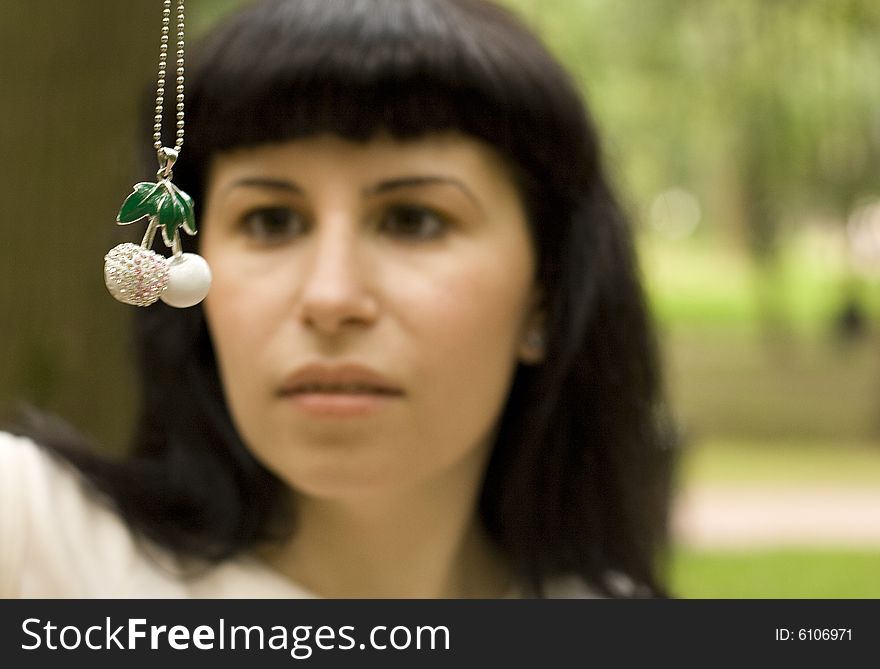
{"x":62,"y":539}
{"x":54,"y":526}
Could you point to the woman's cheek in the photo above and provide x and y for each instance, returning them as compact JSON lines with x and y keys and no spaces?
{"x":240,"y":310}
{"x":465,"y":323}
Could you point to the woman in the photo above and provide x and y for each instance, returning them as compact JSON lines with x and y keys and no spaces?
{"x":424,"y":368}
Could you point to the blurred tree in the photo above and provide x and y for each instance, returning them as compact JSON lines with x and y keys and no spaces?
{"x":767,"y":110}
{"x":74,"y":81}
{"x":78,"y":79}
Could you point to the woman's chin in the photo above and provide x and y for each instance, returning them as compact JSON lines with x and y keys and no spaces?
{"x":341,"y":478}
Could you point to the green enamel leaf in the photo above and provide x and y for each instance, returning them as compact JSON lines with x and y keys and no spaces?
{"x":170,"y":213}
{"x":189,"y":220}
{"x":170,"y":206}
{"x":139,"y":204}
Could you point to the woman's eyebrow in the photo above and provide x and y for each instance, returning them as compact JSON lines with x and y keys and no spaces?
{"x":267,"y":182}
{"x":381,"y":187}
{"x":428,"y":180}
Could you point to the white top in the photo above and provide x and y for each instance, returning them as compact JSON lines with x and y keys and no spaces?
{"x":58,"y":539}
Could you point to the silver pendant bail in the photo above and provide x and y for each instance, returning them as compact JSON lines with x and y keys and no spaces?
{"x":167,"y":158}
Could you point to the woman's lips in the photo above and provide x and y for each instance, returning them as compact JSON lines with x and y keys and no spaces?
{"x":340,"y":390}
{"x":339,"y":404}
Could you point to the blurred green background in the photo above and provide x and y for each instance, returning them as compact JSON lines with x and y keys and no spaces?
{"x":744,"y":136}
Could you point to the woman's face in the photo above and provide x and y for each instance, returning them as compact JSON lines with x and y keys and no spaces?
{"x":369,"y":305}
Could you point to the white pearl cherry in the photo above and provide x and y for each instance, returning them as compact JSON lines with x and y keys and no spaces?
{"x":189,"y":279}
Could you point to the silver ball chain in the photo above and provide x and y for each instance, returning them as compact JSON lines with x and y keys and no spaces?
{"x":160,"y":88}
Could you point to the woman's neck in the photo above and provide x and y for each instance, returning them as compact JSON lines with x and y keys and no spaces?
{"x":425,"y":542}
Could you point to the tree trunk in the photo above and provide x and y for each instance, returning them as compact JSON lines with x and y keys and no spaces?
{"x":74,"y":82}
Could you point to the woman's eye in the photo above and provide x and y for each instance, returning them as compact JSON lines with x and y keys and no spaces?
{"x":413,"y":222}
{"x":272,"y":224}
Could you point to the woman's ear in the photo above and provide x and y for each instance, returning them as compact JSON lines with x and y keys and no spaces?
{"x":532,"y":348}
{"x":533,"y":343}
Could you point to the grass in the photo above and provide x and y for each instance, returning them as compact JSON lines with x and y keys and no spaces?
{"x":759,"y":409}
{"x":794,"y":387}
{"x":730,"y":463}
{"x":708,"y":283}
{"x":732,"y":375}
{"x":783,"y":574}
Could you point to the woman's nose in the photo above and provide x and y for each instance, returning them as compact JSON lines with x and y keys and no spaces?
{"x":335,"y":291}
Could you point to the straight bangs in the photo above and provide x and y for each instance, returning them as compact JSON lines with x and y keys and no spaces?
{"x":289,"y":69}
